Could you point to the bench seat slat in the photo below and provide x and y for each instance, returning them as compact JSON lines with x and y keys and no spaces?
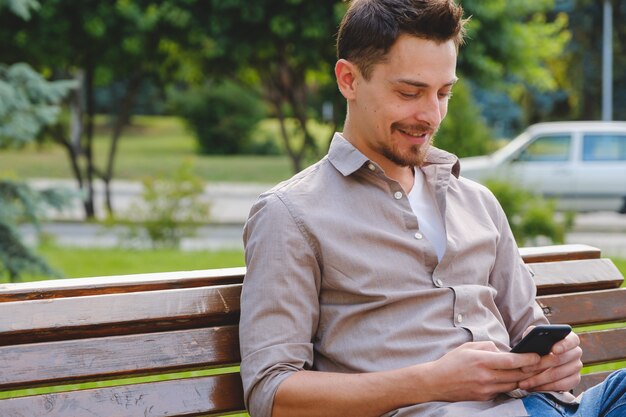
{"x":26,"y":366}
{"x":175,"y":398}
{"x":586,"y":307}
{"x":603,"y":346}
{"x":577,"y":275}
{"x":140,"y":312}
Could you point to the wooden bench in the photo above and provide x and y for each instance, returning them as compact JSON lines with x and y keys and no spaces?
{"x":103,"y":329}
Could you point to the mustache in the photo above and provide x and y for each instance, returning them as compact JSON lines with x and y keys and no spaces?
{"x":414,"y":127}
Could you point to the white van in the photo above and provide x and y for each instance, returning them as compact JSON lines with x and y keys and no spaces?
{"x":580,"y":164}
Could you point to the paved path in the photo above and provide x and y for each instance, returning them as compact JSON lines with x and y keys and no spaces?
{"x":231,"y":203}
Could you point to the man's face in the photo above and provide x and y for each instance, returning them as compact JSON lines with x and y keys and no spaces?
{"x":394,"y":115}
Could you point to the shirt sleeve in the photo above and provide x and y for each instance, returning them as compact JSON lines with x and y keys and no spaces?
{"x":279,"y":302}
{"x":514,"y":283}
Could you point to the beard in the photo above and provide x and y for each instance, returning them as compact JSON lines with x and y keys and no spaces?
{"x":415,"y":155}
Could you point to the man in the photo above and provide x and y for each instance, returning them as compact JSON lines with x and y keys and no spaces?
{"x":379,"y":281}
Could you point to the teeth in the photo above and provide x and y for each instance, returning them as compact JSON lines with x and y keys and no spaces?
{"x":415,"y":135}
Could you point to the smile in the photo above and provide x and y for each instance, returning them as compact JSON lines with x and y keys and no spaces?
{"x":416,"y":137}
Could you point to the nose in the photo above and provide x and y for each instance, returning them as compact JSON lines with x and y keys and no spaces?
{"x":430,"y":110}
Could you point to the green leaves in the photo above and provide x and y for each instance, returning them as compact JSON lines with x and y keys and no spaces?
{"x":27,"y":103}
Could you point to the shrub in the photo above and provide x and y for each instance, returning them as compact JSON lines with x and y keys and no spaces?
{"x":221,"y":116}
{"x":464,"y":131}
{"x":530,"y":216}
{"x":172,"y":208}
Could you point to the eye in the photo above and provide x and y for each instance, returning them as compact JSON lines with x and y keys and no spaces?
{"x":445,"y":94}
{"x":406,"y":94}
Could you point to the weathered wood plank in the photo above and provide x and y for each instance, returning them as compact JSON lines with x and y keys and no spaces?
{"x":583,"y":308}
{"x":578,"y":275}
{"x":119,"y":283}
{"x":589,"y":380}
{"x":138,"y":312}
{"x":30,"y":365}
{"x":183,"y":397}
{"x":603,"y":346}
{"x":556,"y":253}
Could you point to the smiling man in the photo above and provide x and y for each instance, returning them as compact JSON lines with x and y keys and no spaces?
{"x":379,"y":282}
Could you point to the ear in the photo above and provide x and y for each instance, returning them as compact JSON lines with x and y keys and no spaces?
{"x":346,"y":73}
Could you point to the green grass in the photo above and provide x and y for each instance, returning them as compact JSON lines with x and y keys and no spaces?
{"x":157,"y":145}
{"x":89,"y":262}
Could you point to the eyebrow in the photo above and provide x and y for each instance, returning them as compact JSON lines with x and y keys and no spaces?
{"x":421,"y":84}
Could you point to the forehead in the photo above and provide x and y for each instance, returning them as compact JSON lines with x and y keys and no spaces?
{"x":419,"y":59}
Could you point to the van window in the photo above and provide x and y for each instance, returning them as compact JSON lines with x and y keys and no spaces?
{"x":604,"y":147}
{"x":554,"y":148}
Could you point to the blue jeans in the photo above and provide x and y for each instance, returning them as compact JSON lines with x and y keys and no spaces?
{"x":607,"y":399}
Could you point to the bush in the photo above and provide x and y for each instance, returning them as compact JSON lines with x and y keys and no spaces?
{"x":221,"y":116}
{"x":172,"y":208}
{"x":464,"y":132}
{"x":530,"y":216}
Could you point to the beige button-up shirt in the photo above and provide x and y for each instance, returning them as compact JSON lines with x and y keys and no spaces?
{"x":340,"y":278}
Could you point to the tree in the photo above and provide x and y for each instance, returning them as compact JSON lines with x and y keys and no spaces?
{"x":27,"y":104}
{"x":285,"y":46}
{"x":97,"y":42}
{"x":585,"y":66}
{"x":514,"y":55}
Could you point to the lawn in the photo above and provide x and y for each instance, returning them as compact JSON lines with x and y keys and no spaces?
{"x":157,"y":145}
{"x":89,"y":262}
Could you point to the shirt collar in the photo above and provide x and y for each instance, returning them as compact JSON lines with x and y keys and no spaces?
{"x":347,"y":159}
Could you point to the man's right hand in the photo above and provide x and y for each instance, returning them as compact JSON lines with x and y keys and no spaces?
{"x":477,"y":371}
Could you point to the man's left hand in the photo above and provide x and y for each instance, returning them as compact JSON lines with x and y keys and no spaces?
{"x":559,"y":370}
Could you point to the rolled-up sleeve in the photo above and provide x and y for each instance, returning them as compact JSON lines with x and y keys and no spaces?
{"x":279,"y":301}
{"x":515,"y":287}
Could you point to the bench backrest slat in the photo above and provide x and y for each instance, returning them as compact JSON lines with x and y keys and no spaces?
{"x":181,"y":397}
{"x":577,"y":275}
{"x":29,"y":365}
{"x":589,"y":380}
{"x":584,"y":308}
{"x":78,"y":287}
{"x":603,"y":346}
{"x":111,"y":314}
{"x":555,"y":253}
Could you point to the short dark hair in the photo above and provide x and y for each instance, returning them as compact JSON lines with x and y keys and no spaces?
{"x":370,"y":27}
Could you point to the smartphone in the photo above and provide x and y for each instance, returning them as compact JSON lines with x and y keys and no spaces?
{"x":541,"y":338}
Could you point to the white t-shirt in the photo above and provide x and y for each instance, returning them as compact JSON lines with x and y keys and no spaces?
{"x":428,"y":216}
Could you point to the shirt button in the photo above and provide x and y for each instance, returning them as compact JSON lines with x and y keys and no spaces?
{"x":371,"y":167}
{"x":459,"y":318}
{"x":439,"y":283}
{"x":418,"y":235}
{"x":397,"y":195}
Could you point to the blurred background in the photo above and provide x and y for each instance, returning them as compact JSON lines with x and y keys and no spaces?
{"x":135,"y":135}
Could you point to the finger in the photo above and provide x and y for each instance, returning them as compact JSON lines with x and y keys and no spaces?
{"x":564,"y":384}
{"x":570,"y":342}
{"x":551,"y":360}
{"x":553,"y":375}
{"x":515,"y":361}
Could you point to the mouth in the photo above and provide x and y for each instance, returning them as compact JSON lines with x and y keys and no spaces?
{"x":416,"y":137}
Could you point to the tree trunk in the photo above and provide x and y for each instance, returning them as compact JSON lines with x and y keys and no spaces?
{"x":123,"y":115}
{"x":90,"y":211}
